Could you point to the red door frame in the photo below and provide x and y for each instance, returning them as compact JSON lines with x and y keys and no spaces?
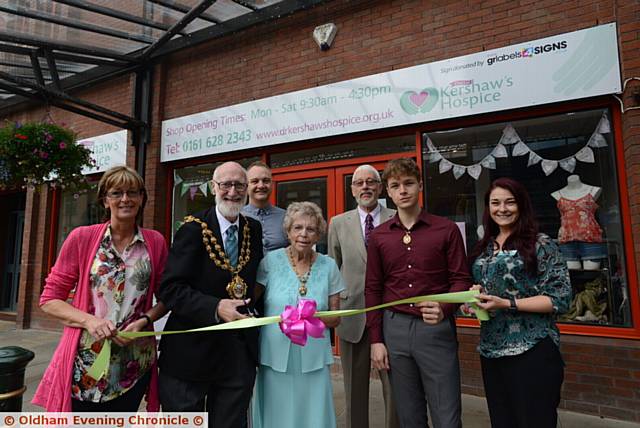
{"x":346,"y":170}
{"x":327,"y":173}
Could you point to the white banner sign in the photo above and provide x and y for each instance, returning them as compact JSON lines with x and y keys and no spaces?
{"x":568,"y":66}
{"x":107,"y":150}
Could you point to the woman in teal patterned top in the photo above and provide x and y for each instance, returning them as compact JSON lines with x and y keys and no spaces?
{"x":525,"y":284}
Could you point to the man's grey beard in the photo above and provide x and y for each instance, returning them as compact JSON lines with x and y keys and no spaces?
{"x":228,"y":209}
{"x":371,"y":203}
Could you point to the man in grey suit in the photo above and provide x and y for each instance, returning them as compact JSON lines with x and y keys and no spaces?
{"x":348,"y":234}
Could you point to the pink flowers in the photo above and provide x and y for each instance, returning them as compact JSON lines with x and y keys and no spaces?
{"x":39,"y":153}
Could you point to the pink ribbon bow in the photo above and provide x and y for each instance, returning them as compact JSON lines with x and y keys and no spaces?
{"x":298,"y":321}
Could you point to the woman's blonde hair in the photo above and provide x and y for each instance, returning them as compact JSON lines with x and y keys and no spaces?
{"x":121,"y":177}
{"x":305,"y":208}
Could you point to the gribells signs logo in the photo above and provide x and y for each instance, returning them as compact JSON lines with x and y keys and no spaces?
{"x":528,"y":52}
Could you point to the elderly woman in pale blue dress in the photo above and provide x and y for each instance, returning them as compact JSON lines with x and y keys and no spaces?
{"x":293,"y":388}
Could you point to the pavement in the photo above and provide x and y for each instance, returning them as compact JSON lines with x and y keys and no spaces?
{"x":474,"y":409}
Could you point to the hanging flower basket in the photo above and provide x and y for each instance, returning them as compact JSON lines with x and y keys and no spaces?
{"x":35,"y":153}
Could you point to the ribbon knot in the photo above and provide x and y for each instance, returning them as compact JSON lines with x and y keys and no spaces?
{"x":296,"y":322}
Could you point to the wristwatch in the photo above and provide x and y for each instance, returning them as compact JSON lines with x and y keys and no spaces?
{"x":146,"y":317}
{"x":512,"y":304}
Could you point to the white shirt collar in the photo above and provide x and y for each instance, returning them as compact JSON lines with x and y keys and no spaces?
{"x":224,"y":223}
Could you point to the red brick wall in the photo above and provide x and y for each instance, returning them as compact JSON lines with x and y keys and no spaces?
{"x":608,"y":374}
{"x":602,"y":375}
{"x":628,"y":18}
{"x":156,"y":179}
{"x":373,"y":37}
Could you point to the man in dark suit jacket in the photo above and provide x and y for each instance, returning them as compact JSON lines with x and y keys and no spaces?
{"x":202,"y":286}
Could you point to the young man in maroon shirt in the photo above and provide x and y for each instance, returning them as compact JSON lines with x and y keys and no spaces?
{"x":413,"y":254}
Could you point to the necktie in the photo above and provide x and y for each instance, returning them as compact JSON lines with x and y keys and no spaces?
{"x":231,"y":245}
{"x":261,"y":214}
{"x":368,"y":228}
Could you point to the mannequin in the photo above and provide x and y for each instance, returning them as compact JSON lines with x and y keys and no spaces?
{"x":579,"y":229}
{"x":576,"y":189}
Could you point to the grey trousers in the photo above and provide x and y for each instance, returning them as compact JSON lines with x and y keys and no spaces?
{"x":425,"y":370}
{"x":356,"y":370}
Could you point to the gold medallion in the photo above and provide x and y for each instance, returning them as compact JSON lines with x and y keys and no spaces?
{"x":237,"y":288}
{"x":302,"y":290}
{"x":406,"y":239}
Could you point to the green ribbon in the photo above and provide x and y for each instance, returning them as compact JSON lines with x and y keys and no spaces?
{"x":101,"y":363}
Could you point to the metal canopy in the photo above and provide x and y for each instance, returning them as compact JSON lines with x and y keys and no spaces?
{"x":48,"y":48}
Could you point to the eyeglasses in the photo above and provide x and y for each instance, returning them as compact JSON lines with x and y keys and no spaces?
{"x":227,"y":185}
{"x":119,"y":194}
{"x":368,"y":182}
{"x":298,"y":228}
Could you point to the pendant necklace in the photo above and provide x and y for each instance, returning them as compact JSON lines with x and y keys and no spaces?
{"x":302,"y":279}
{"x":406,"y":239}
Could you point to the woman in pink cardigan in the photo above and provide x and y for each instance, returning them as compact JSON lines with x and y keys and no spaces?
{"x":115,"y":268}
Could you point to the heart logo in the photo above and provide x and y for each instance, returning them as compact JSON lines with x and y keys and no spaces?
{"x":418,"y":99}
{"x":421,"y":102}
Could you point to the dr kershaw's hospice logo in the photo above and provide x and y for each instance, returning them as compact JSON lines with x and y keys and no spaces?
{"x":419,"y":102}
{"x":457,"y":95}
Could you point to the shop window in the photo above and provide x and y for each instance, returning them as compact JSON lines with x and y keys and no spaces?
{"x":78,"y":209}
{"x":192,"y":190}
{"x":555,"y":157}
{"x":324,"y":153}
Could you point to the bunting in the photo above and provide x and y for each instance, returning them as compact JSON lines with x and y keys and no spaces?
{"x":193,"y":187}
{"x":510,"y":138}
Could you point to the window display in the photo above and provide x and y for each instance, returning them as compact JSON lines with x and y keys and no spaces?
{"x":580,"y":235}
{"x":567,"y":163}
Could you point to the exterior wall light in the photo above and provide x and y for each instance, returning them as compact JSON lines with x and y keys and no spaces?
{"x":324,"y":35}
